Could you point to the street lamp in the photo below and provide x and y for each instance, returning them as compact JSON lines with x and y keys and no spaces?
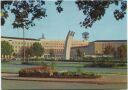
{"x":23,"y":46}
{"x":85,"y":35}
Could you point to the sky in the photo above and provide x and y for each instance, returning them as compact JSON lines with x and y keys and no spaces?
{"x":56,"y":26}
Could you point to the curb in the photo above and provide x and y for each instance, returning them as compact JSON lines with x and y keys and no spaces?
{"x":88,"y":81}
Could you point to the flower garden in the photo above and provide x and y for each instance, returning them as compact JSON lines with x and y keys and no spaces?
{"x":49,"y":72}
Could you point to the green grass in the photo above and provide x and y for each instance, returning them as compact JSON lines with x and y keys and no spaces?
{"x":10,"y":71}
{"x":120,"y":67}
{"x":12,"y":62}
{"x":69,"y":65}
{"x":14,"y":67}
{"x":103,"y":73}
{"x":9,"y":68}
{"x":118,"y":73}
{"x":56,"y":64}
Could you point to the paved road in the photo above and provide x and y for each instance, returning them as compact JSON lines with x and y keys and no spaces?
{"x":12,"y":84}
{"x":105,"y":79}
{"x":15,"y":84}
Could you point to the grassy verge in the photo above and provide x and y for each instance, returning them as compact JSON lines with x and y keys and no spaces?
{"x":55,"y":63}
{"x":50,"y":72}
{"x":14,"y":67}
{"x":120,"y":67}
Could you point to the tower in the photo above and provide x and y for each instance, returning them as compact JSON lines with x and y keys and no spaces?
{"x":68,"y":43}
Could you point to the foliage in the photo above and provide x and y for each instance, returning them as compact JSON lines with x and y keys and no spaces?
{"x":4,"y":10}
{"x":34,"y":71}
{"x":109,"y":50}
{"x":52,"y":65}
{"x":107,"y":62}
{"x":37,"y":49}
{"x":122,"y":51}
{"x":49,"y":73}
{"x":51,"y":52}
{"x":95,"y":10}
{"x":78,"y":70}
{"x":25,"y":12}
{"x":59,"y":8}
{"x":6,"y":48}
{"x":14,"y":54}
{"x":25,"y":51}
{"x":79,"y":53}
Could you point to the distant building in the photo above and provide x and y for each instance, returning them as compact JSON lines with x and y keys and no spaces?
{"x":17,"y":43}
{"x":56,"y":45}
{"x":87,"y":48}
{"x":97,"y":47}
{"x":74,"y":52}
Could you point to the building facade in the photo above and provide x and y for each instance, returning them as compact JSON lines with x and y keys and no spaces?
{"x":56,"y":45}
{"x":76,"y":50}
{"x":18,"y":43}
{"x":98,"y":47}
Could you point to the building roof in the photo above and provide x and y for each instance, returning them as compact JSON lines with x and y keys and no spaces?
{"x":110,"y":41}
{"x":18,"y":38}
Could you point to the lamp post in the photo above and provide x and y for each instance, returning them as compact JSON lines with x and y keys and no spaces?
{"x":23,"y":46}
{"x":85,"y":35}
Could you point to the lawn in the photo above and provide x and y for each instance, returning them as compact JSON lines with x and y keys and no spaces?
{"x":14,"y":67}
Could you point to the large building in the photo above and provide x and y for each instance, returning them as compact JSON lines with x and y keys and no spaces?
{"x":98,"y":46}
{"x":18,"y":43}
{"x":56,"y":45}
{"x":76,"y":50}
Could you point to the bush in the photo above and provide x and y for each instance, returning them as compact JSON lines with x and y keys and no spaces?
{"x":36,"y":71}
{"x":47,"y":72}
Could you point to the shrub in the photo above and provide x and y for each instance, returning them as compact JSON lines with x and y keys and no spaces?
{"x":36,"y":71}
{"x":41,"y":71}
{"x":78,"y":71}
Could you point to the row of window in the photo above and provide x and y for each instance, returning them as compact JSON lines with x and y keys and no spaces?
{"x":21,"y":43}
{"x":43,"y":44}
{"x":53,"y":43}
{"x":53,"y":46}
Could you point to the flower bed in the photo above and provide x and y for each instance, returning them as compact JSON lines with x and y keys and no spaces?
{"x":48,"y":72}
{"x":39,"y":71}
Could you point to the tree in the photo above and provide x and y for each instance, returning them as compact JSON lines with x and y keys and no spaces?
{"x":122,"y":52}
{"x":6,"y":48}
{"x":109,"y":50}
{"x":15,"y":55}
{"x":25,"y":12}
{"x":79,"y":53}
{"x":37,"y":50}
{"x":27,"y":54}
{"x":96,"y":9}
{"x":51,"y":52}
